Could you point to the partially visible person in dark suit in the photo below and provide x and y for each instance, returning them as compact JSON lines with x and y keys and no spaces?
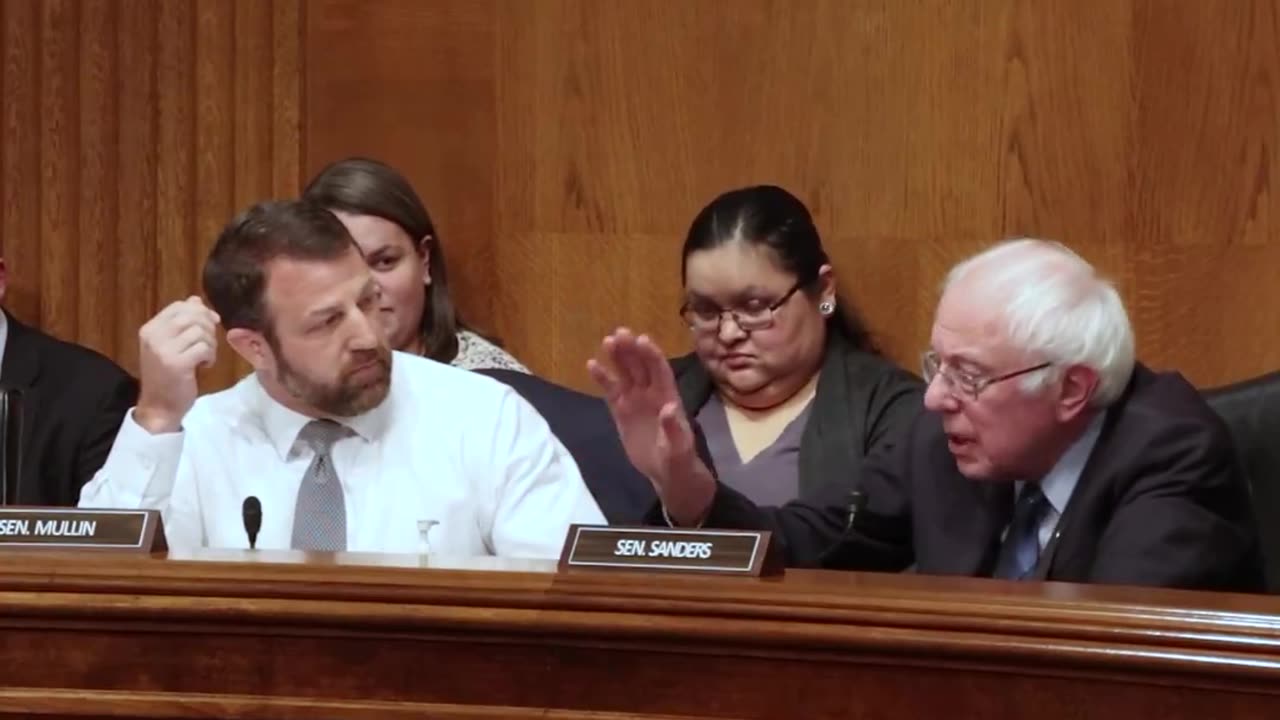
{"x":784,"y":381}
{"x":1047,"y":452}
{"x":581,"y":423}
{"x":73,"y":401}
{"x":399,"y":241}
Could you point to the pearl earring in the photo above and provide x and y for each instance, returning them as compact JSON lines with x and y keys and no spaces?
{"x":826,"y":308}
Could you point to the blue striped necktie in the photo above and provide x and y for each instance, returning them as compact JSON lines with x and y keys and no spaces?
{"x":1020,"y":550}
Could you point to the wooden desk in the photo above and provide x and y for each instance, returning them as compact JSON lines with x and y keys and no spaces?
{"x":286,"y":636}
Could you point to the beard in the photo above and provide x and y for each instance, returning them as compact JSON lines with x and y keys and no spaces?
{"x":349,"y":395}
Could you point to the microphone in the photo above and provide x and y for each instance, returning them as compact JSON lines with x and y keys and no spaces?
{"x":11,"y":400}
{"x":857,"y":501}
{"x":252,"y":514}
{"x":870,"y":541}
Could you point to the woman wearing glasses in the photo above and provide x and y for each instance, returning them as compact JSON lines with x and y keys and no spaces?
{"x":784,"y":381}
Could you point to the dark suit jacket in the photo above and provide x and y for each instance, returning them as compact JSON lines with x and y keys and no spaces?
{"x":73,"y":401}
{"x":583,"y":425}
{"x":1161,"y":501}
{"x":861,"y":404}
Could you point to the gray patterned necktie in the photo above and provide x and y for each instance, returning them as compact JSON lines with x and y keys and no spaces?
{"x":320,"y":517}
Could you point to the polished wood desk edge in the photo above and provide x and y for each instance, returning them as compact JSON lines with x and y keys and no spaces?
{"x":41,"y":702}
{"x":812,"y":616}
{"x":311,"y":588}
{"x":1011,"y":641}
{"x":535,"y":583}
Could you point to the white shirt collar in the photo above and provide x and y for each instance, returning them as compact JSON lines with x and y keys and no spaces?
{"x":1061,"y":480}
{"x":4,"y":333}
{"x":282,"y":424}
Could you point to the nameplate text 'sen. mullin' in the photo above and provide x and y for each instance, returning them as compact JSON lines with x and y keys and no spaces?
{"x":40,"y":528}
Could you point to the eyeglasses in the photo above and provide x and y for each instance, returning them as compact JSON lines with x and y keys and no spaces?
{"x":968,"y":383}
{"x":706,"y":317}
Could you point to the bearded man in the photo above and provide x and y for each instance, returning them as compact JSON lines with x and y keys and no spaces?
{"x":344,"y":444}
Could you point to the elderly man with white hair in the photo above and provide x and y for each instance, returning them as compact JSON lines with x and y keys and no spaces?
{"x":1045,"y":451}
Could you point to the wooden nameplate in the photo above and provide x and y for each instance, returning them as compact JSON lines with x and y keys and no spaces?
{"x":57,"y":528}
{"x":657,"y":549}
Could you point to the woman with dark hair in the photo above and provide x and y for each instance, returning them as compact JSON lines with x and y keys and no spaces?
{"x":784,"y":383}
{"x":391,"y":225}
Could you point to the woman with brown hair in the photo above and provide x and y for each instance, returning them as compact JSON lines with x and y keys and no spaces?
{"x":394,"y":231}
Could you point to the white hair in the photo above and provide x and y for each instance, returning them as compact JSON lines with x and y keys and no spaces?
{"x":1055,"y":306}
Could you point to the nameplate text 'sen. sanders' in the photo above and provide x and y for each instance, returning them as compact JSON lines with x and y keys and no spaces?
{"x":656,"y":549}
{"x":40,"y":528}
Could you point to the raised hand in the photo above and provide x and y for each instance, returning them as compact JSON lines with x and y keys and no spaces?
{"x":640,"y":390}
{"x":172,"y":345}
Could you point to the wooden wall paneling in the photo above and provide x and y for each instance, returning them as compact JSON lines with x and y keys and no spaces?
{"x":563,"y":147}
{"x":524,"y":292}
{"x":254,"y":175}
{"x":217,"y":111}
{"x":286,"y":97}
{"x":1067,"y":144}
{"x":132,"y":130}
{"x":137,"y":194}
{"x":644,"y":112}
{"x":59,"y":123}
{"x":631,"y":119}
{"x":253,"y":129}
{"x":20,"y":149}
{"x":420,"y":97}
{"x":176,"y":190}
{"x":1141,"y":133}
{"x":908,"y":98}
{"x":1204,"y":210}
{"x":95,"y":248}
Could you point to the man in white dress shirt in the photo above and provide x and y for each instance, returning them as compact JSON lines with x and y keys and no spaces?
{"x":412,"y":443}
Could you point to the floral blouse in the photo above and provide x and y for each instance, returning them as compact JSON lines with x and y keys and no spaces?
{"x":476,"y":353}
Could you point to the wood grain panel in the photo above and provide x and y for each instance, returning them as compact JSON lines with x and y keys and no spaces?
{"x":642,"y":144}
{"x":59,"y":124}
{"x":1142,"y":133}
{"x":523,"y":316}
{"x":429,"y":111}
{"x":137,"y":195}
{"x":20,"y":214}
{"x":46,"y":703}
{"x":286,"y":97}
{"x":96,"y":251}
{"x":564,"y":145}
{"x":253,"y":133}
{"x":176,"y":193}
{"x":133,"y":129}
{"x":1206,"y":122}
{"x":216,"y":115}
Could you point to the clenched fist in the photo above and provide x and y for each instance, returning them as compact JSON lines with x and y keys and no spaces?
{"x":172,"y":345}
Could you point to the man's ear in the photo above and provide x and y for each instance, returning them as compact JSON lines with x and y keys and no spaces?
{"x":1079,"y":384}
{"x":252,"y":346}
{"x":4,"y":279}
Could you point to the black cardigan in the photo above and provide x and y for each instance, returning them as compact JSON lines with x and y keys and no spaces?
{"x":862,"y":404}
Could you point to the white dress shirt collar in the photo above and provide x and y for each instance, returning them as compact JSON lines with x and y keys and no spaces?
{"x":4,"y":333}
{"x":282,"y":424}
